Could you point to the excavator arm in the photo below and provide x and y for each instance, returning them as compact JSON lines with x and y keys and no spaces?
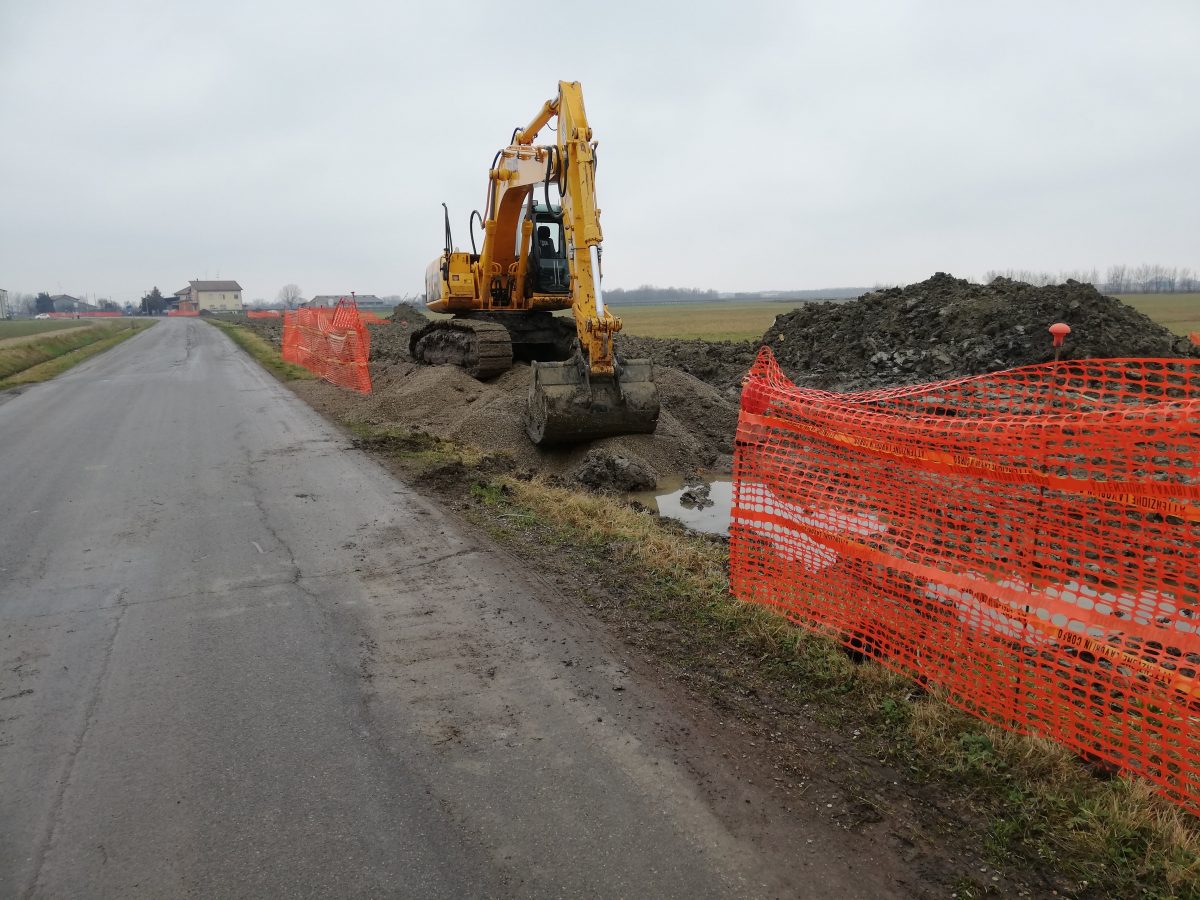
{"x":574,"y":167}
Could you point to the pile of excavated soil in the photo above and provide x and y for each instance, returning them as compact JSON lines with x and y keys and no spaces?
{"x":389,"y":341}
{"x":719,"y":363}
{"x":408,"y":315}
{"x":695,"y":426}
{"x":946,"y":327}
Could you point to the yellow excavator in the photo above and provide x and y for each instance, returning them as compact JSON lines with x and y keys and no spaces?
{"x":538,"y":256}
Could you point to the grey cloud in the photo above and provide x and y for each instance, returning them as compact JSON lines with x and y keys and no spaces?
{"x":743,"y":146}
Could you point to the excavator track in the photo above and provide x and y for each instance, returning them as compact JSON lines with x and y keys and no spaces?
{"x":484,"y":349}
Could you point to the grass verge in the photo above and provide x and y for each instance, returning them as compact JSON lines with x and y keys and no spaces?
{"x":267,"y":355}
{"x":42,"y":358}
{"x":1035,"y":806}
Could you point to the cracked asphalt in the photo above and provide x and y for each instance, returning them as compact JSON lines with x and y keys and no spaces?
{"x":238,"y":658}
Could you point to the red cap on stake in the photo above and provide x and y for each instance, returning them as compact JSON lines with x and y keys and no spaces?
{"x":1060,"y":330}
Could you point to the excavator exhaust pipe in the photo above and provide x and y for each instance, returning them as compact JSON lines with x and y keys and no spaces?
{"x":567,"y":406}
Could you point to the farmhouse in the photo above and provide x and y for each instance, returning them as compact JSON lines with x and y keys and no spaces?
{"x":214,"y":296}
{"x":65,"y":303}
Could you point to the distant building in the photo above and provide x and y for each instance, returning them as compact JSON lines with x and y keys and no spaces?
{"x":214,"y":296}
{"x":364,"y":301}
{"x":65,"y":303}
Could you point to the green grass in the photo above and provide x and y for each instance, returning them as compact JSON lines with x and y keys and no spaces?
{"x":267,"y":355}
{"x":23,"y":327}
{"x":44,"y":357}
{"x":1179,"y":312}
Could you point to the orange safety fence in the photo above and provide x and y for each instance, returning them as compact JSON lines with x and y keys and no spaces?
{"x":183,"y":312}
{"x":1194,"y":337}
{"x":263,"y":314}
{"x":331,"y":342}
{"x":1028,"y":540}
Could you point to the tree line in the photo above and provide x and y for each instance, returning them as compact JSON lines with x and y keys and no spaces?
{"x":1148,"y":278}
{"x":648,"y":292}
{"x":34,"y":304}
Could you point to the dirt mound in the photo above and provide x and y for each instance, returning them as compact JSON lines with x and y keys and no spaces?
{"x":719,"y":363}
{"x":389,"y":339}
{"x":947,"y":327}
{"x":695,"y":428}
{"x":603,"y":470}
{"x":409,"y":315}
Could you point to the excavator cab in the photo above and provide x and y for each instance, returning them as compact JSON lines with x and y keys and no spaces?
{"x":548,"y":273}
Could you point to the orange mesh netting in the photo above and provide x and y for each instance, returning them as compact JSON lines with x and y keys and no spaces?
{"x":1027,"y":540}
{"x":262,"y":314}
{"x":1194,"y":337}
{"x":183,"y":312}
{"x":331,"y":342}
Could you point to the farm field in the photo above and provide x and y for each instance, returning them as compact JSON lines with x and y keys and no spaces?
{"x":1179,"y":312}
{"x":15,"y":328}
{"x":719,"y":321}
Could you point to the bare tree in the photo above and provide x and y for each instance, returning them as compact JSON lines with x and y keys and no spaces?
{"x":20,"y":304}
{"x":289,"y":295}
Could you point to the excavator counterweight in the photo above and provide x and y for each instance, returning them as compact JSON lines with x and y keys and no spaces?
{"x":538,"y":257}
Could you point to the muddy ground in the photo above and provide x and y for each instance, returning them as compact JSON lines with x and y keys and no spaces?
{"x":943,"y":327}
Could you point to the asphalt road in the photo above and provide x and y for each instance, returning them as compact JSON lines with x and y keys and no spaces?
{"x":238,"y":658}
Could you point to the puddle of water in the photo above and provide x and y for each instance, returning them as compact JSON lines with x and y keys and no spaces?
{"x":711,"y":519}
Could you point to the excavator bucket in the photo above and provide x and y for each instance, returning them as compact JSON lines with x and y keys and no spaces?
{"x":568,"y":406}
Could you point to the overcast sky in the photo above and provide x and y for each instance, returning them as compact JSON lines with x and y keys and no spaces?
{"x":743,"y":145}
